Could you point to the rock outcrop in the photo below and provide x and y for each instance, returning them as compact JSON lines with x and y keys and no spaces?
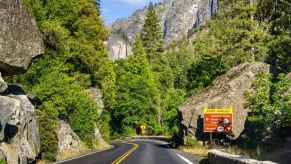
{"x":19,"y":136}
{"x":227,"y":90}
{"x":20,"y":40}
{"x":178,"y":18}
{"x":96,"y":94}
{"x":68,"y":142}
{"x":219,"y":157}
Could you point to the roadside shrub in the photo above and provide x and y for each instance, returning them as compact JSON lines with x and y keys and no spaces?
{"x":47,"y":120}
{"x":2,"y":161}
{"x":190,"y":141}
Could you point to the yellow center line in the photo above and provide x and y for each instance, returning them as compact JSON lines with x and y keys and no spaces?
{"x":123,"y":157}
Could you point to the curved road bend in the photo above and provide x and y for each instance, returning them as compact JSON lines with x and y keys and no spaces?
{"x":136,"y":152}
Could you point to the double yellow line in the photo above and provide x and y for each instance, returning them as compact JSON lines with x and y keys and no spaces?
{"x":123,"y":157}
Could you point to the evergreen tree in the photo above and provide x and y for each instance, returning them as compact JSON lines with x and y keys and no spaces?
{"x":137,"y":92}
{"x":152,"y":37}
{"x":278,"y":14}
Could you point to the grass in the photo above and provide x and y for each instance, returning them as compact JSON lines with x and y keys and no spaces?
{"x":83,"y":150}
{"x":69,"y":154}
{"x":194,"y":147}
{"x":200,"y":151}
{"x":2,"y":161}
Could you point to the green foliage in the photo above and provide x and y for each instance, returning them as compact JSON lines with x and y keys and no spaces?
{"x":148,"y":87}
{"x":2,"y":161}
{"x":282,"y":102}
{"x":75,"y":59}
{"x":69,"y":102}
{"x":260,"y":117}
{"x":270,"y":109}
{"x":202,"y":73}
{"x":48,"y":138}
{"x":277,"y":13}
{"x":234,"y":35}
{"x":104,"y":125}
{"x":152,"y":36}
{"x":190,"y":141}
{"x":280,"y":50}
{"x":137,"y":91}
{"x":260,"y":99}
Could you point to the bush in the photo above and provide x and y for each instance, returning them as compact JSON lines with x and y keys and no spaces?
{"x":190,"y":141}
{"x":2,"y":161}
{"x":47,"y":120}
{"x":270,"y":110}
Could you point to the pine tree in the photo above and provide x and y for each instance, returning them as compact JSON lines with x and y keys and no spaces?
{"x":137,"y":91}
{"x":278,"y":14}
{"x":152,"y":37}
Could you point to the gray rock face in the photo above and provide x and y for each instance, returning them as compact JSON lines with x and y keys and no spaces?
{"x":3,"y":85}
{"x":96,"y":94}
{"x":219,"y":157}
{"x":227,"y":90}
{"x":178,"y":18}
{"x":68,"y":141}
{"x":20,"y":40}
{"x":19,"y":134}
{"x":2,"y":156}
{"x":100,"y":143}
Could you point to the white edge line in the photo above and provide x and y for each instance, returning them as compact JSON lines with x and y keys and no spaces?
{"x":98,"y":151}
{"x":184,"y":159}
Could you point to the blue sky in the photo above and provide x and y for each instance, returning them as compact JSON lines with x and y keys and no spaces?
{"x":113,"y":9}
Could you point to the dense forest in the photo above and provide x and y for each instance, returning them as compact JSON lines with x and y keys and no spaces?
{"x":148,"y":86}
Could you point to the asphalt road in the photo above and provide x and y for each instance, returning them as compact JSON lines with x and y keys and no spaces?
{"x":137,"y":152}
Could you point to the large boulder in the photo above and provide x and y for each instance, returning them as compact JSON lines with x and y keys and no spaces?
{"x":227,"y":90}
{"x":69,"y":144}
{"x":19,"y":135}
{"x":20,"y":40}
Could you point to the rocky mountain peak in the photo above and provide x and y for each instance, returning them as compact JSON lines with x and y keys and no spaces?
{"x":178,"y":18}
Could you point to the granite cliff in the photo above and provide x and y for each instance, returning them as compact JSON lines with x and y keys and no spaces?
{"x":20,"y":42}
{"x":178,"y":19}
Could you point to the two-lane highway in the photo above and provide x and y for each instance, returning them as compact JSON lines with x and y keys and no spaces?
{"x":136,"y":152}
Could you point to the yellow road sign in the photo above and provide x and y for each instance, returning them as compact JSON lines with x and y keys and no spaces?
{"x":227,"y":110}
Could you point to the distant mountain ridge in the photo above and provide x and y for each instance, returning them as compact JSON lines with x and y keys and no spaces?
{"x":178,"y":18}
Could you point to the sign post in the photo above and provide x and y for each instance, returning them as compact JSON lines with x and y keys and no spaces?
{"x":217,"y":120}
